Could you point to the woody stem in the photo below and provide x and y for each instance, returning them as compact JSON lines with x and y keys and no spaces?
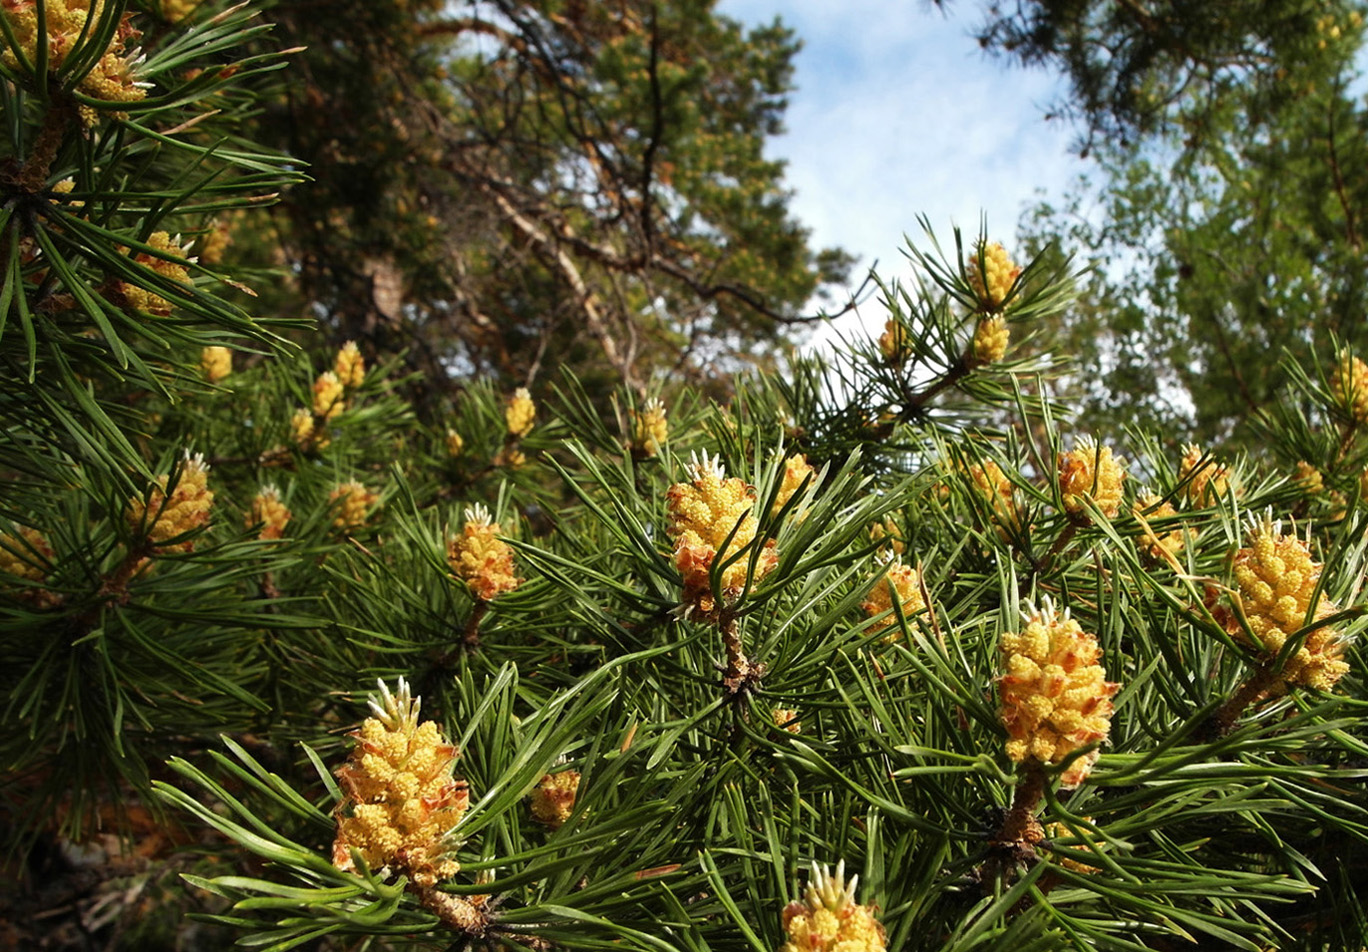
{"x":740,"y":672}
{"x":1346,"y":440}
{"x":456,"y":912}
{"x":1020,"y":821}
{"x":914,"y":402}
{"x":471,"y":638}
{"x":115,"y":584}
{"x":1253,"y":690}
{"x":1064,"y":538}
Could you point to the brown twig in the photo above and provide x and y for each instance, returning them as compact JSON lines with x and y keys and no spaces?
{"x":741,"y":673}
{"x":115,"y":585}
{"x":470,"y":638}
{"x":1065,"y":537}
{"x":1020,"y":829}
{"x":459,"y":914}
{"x":1014,"y":842}
{"x":1221,"y":723}
{"x":1350,"y":229}
{"x":957,"y":372}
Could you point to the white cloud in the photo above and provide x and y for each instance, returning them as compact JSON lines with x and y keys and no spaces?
{"x":898,"y":113}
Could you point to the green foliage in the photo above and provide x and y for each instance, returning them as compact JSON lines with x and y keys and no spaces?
{"x":696,"y":813}
{"x":511,"y":181}
{"x":85,"y":198}
{"x":102,"y":318}
{"x":1222,"y":222}
{"x":698,"y":614}
{"x":1140,"y":69}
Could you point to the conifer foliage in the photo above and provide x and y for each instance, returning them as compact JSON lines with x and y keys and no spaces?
{"x":512,"y":181}
{"x":886,"y":653}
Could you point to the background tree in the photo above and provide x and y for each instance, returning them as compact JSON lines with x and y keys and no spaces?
{"x":1140,"y":67}
{"x":511,"y":180}
{"x":1225,"y":216}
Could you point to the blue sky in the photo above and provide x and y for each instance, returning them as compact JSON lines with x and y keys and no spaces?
{"x":898,"y":113}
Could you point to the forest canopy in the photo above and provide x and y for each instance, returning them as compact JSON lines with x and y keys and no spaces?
{"x":1229,"y":147}
{"x":507,"y":180}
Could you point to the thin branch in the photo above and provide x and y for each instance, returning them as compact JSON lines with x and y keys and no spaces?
{"x":657,"y":126}
{"x":569,"y":270}
{"x":1350,"y":229}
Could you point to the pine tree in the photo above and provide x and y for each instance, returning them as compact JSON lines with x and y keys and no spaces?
{"x":513,"y":182}
{"x":1222,"y":215}
{"x":887,"y":653}
{"x":116,"y":164}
